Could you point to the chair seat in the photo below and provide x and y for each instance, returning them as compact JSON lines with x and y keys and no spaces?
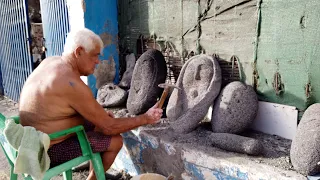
{"x":64,"y":168}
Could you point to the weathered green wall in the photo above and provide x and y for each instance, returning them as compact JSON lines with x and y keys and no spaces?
{"x":224,"y":27}
{"x":276,"y":41}
{"x":289,"y":45}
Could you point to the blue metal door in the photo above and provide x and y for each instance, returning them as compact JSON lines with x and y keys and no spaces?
{"x":101,"y":16}
{"x":55,"y":21}
{"x":15,"y":55}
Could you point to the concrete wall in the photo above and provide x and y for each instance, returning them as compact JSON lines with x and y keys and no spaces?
{"x":275,"y":41}
{"x":151,"y":150}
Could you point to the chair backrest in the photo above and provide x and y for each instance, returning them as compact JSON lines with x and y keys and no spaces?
{"x":8,"y":150}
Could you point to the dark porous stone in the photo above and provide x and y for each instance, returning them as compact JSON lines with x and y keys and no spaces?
{"x":305,"y":147}
{"x":127,"y":76}
{"x":235,"y":108}
{"x":200,"y":83}
{"x":236,"y":143}
{"x":150,"y":71}
{"x":111,"y":95}
{"x":105,"y":72}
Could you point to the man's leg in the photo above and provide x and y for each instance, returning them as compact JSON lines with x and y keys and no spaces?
{"x":108,"y":156}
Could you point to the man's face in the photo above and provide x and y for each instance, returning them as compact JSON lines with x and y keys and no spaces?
{"x":87,"y":61}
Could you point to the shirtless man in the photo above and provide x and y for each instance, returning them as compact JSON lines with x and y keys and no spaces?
{"x":54,"y":98}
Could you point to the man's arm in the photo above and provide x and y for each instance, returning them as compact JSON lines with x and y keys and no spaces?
{"x":83,"y":102}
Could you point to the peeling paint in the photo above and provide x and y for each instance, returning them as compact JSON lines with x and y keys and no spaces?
{"x":169,"y":149}
{"x":308,"y":90}
{"x":192,"y":169}
{"x":277,"y":84}
{"x":135,"y":148}
{"x":106,"y":39}
{"x":139,"y":156}
{"x":150,"y":141}
{"x":125,"y":162}
{"x":203,"y":173}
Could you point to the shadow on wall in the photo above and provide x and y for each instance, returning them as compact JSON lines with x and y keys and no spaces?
{"x":132,"y":24}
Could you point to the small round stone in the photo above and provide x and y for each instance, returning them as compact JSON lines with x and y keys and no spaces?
{"x":111,"y":95}
{"x":235,"y":108}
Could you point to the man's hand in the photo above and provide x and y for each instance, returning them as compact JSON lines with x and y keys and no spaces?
{"x":110,"y":113}
{"x":153,"y":115}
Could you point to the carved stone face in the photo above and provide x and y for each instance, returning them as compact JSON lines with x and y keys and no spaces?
{"x":235,"y":108}
{"x":196,"y":80}
{"x":200,"y":83}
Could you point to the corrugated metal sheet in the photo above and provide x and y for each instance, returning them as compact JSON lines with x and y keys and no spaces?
{"x":101,"y":16}
{"x":54,"y":14}
{"x":15,"y":57}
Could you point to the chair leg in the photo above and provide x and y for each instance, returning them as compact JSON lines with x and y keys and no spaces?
{"x":67,"y":175}
{"x":98,"y":166}
{"x":13,"y":176}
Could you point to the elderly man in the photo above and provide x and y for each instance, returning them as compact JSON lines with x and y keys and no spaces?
{"x":54,"y":98}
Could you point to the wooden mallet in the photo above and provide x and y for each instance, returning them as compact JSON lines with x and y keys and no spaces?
{"x":166,"y":88}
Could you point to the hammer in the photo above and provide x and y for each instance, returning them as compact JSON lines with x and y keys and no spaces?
{"x":165,"y":92}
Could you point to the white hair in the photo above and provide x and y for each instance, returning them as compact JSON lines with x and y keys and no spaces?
{"x":84,"y":38}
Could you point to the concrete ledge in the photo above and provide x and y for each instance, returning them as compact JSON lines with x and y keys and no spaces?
{"x":158,"y":149}
{"x":221,"y":165}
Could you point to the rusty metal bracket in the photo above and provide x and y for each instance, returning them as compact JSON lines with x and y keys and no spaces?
{"x":277,"y":84}
{"x":236,"y":62}
{"x":308,"y":90}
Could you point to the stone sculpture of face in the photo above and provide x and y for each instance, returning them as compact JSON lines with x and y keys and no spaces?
{"x":200,"y":83}
{"x":196,"y":80}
